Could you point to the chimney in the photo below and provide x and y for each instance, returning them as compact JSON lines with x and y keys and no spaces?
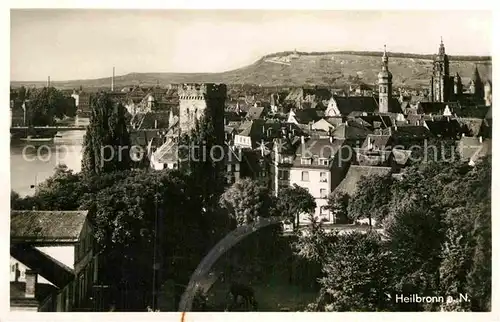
{"x":156,"y":124}
{"x":113,"y":81}
{"x":480,"y":139}
{"x":302,"y":139}
{"x":331,"y":139}
{"x":31,"y":281}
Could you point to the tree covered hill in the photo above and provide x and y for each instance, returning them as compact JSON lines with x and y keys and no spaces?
{"x":336,"y":69}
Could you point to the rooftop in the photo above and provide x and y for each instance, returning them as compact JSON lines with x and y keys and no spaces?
{"x":46,"y":226}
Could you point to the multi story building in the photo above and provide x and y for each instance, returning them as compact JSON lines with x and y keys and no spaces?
{"x":319,"y":166}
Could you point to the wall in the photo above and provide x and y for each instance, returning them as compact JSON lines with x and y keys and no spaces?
{"x":314,"y":185}
{"x":22,"y":269}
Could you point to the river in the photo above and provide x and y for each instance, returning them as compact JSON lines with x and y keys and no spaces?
{"x":33,"y":163}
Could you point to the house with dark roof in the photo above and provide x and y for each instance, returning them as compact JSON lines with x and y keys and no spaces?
{"x":354,"y":175}
{"x":434,"y":108}
{"x":319,"y":166}
{"x":446,"y":128}
{"x":351,"y":130}
{"x":338,"y":105}
{"x":53,"y":260}
{"x":253,"y":133}
{"x":305,"y":116}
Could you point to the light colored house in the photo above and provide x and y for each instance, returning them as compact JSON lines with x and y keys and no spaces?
{"x":319,"y":166}
{"x":53,"y":261}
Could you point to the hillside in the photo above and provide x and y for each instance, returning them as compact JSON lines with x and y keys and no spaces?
{"x":335,"y":69}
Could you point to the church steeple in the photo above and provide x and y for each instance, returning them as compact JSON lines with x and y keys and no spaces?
{"x":441,"y":48}
{"x":384,"y":84}
{"x":385,"y":60}
{"x":441,"y":81}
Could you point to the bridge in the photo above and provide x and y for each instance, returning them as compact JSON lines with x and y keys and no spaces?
{"x":56,"y":128}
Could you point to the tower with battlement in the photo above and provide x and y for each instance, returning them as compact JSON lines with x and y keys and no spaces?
{"x":196,"y":100}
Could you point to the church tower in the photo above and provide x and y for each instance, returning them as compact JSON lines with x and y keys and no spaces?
{"x":384,"y":85}
{"x":441,"y":82}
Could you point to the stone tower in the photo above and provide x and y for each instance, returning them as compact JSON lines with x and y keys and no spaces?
{"x":441,"y":83}
{"x":197,"y":100}
{"x":384,"y":85}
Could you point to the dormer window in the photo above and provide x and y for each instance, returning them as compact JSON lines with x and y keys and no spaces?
{"x":323,"y":161}
{"x":306,"y":161}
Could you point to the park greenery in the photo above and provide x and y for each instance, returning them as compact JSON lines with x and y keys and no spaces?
{"x":44,"y":105}
{"x":436,"y":223}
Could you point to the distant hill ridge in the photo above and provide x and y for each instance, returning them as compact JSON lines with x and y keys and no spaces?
{"x":334,"y":69}
{"x":379,"y":54}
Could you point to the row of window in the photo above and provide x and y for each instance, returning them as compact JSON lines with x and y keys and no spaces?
{"x":323,"y":177}
{"x":321,"y":161}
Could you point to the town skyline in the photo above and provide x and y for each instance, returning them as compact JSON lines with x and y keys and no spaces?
{"x":173,"y":53}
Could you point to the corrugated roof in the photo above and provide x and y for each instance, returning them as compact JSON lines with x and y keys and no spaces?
{"x":34,"y":225}
{"x":354,"y":175}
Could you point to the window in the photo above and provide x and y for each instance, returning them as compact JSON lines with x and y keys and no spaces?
{"x":323,"y":211}
{"x":323,"y":177}
{"x":322,"y":193}
{"x":323,"y":161}
{"x":283,"y":174}
{"x":305,"y":176}
{"x":306,"y":161}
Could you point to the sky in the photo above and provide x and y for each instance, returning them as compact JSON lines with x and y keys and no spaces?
{"x":84,"y":44}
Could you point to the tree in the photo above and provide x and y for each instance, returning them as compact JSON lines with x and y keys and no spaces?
{"x":292,"y":201}
{"x":42,"y":107}
{"x":371,"y":198}
{"x":338,"y":203}
{"x":246,"y":200}
{"x":107,"y":140}
{"x":356,"y":275}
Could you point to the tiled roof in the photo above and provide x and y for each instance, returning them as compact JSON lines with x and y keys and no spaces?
{"x":57,"y":226}
{"x":305,"y":116}
{"x":444,"y":127}
{"x":377,"y":141}
{"x":347,"y":105}
{"x":351,"y":130}
{"x":409,"y":131}
{"x":431,"y":107}
{"x":255,"y":112}
{"x":384,"y":120}
{"x":354,"y":175}
{"x":316,"y":149}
